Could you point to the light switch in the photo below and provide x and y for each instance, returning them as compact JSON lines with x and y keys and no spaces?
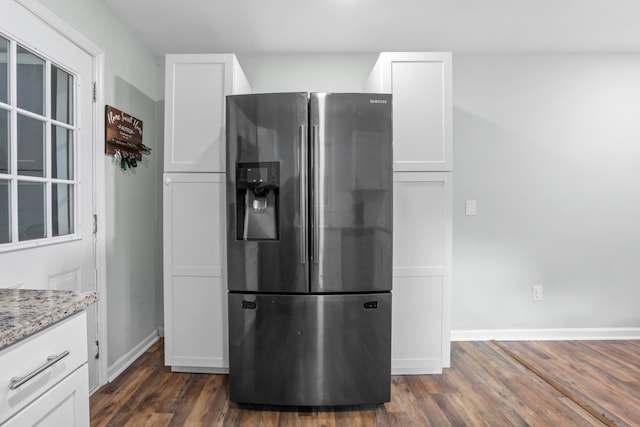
{"x":470,"y":207}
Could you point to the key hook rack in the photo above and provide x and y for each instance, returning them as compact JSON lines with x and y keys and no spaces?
{"x":123,"y":137}
{"x":136,"y":150}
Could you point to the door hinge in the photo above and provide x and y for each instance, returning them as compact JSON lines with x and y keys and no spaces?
{"x":95,"y":223}
{"x":97,"y":356}
{"x":95,"y":91}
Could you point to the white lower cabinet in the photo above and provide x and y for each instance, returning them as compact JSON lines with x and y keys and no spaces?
{"x":195,"y":295}
{"x":55,"y":396}
{"x":66,"y":404}
{"x":421,"y":325}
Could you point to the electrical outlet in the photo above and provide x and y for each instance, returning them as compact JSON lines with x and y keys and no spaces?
{"x":537,"y":293}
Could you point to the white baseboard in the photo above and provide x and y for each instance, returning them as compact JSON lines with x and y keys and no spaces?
{"x":416,"y":366}
{"x":567,"y":334}
{"x":193,"y":370}
{"x":127,"y":359}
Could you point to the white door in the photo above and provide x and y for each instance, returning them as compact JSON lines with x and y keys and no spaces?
{"x":46,"y":160}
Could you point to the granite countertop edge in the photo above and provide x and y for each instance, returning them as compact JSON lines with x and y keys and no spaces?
{"x":25,"y":312}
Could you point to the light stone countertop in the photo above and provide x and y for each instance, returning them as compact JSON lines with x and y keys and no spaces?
{"x":24,"y":312}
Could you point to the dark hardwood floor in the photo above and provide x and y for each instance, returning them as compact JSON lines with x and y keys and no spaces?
{"x":486,"y":386}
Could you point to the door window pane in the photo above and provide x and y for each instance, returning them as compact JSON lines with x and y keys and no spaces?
{"x":31,"y":210}
{"x":62,"y":153}
{"x":62,"y":209}
{"x":5,"y":212}
{"x":30,"y":81}
{"x":30,"y":146}
{"x":61,"y":96}
{"x":4,"y":142}
{"x":4,"y":70}
{"x":38,"y":137}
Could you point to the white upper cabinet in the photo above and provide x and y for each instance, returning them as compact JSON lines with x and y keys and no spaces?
{"x":422,"y":110}
{"x":195,"y":90}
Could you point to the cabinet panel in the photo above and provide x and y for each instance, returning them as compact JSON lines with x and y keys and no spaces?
{"x":417,"y":325}
{"x":195,"y":90}
{"x":199,"y":316}
{"x":419,"y":130}
{"x":198,"y":115}
{"x":420,"y":83}
{"x":418,"y":225}
{"x":194,"y":273}
{"x":421,"y":272}
{"x":195,"y":217}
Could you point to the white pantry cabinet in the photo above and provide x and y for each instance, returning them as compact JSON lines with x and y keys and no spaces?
{"x":420,"y":83}
{"x":195,"y":89}
{"x":422,"y":252}
{"x":57,"y":395}
{"x":195,"y":297}
{"x":195,"y":294}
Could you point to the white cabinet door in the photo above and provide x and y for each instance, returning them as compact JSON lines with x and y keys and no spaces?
{"x":422,"y":108}
{"x":65,"y":342}
{"x":195,"y":297}
{"x":66,"y":404}
{"x":421,"y":273}
{"x":195,"y":90}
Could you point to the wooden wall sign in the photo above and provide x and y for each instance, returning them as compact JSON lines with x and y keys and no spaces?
{"x":123,"y":132}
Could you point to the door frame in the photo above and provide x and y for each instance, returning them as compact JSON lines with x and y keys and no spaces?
{"x":99,"y":190}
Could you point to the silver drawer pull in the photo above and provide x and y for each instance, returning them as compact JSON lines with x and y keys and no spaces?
{"x":51,"y":360}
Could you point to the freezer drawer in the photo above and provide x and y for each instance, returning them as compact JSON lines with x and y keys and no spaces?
{"x":310,"y":350}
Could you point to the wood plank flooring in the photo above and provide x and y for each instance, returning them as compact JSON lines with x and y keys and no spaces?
{"x":604,"y":374}
{"x":484,"y":387}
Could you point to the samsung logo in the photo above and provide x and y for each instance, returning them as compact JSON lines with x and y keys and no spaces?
{"x":377,"y":101}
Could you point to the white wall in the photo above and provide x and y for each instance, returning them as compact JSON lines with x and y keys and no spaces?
{"x":307,"y":72}
{"x":549,"y":146}
{"x":133,"y":203}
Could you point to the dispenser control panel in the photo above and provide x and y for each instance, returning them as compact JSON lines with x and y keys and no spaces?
{"x":259,"y":174}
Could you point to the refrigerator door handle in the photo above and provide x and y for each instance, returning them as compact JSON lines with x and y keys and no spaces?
{"x":316,"y":195}
{"x":302,"y":169}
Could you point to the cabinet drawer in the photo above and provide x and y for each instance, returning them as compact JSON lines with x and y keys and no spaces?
{"x":30,"y":354}
{"x":66,"y":404}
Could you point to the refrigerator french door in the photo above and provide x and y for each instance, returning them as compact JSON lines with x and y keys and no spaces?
{"x":309,"y":248}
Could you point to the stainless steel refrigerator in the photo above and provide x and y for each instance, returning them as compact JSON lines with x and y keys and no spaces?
{"x":309,"y":248}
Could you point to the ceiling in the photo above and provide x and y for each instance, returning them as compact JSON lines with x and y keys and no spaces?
{"x":344,"y":26}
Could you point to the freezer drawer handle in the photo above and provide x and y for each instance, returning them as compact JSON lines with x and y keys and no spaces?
{"x":249,"y":304}
{"x":51,"y":360}
{"x":371,"y":305}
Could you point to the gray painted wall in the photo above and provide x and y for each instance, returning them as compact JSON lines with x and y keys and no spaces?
{"x":133,"y":201}
{"x":549,"y":146}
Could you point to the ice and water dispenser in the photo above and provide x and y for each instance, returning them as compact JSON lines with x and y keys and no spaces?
{"x":257,"y":193}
